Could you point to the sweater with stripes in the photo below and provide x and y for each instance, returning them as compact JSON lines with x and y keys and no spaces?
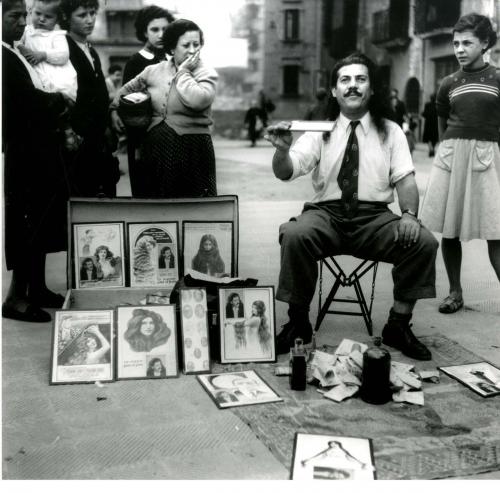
{"x":470,"y":102}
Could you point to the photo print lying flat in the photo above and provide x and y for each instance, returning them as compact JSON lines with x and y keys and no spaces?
{"x":208,"y":248}
{"x":82,"y":346}
{"x":241,"y":388}
{"x":247,"y":324}
{"x":146,"y":342}
{"x":98,"y":255}
{"x":153,"y":254}
{"x":482,"y":377}
{"x":332,"y":457}
{"x":194,"y":326}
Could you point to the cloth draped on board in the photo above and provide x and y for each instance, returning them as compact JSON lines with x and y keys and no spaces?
{"x":35,"y":184}
{"x":177,"y":154}
{"x":93,"y":168}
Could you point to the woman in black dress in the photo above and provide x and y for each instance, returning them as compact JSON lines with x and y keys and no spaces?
{"x":431,"y":124}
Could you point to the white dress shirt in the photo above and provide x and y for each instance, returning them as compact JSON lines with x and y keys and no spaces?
{"x":382,"y":163}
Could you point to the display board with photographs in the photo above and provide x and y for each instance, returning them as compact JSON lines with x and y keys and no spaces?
{"x":153,"y":254}
{"x":332,"y":457}
{"x":482,"y":377}
{"x":194,"y":325}
{"x":247,"y":324}
{"x":146,"y":342}
{"x":82,"y":349}
{"x":208,"y":248}
{"x":98,"y":255}
{"x":242,"y":388}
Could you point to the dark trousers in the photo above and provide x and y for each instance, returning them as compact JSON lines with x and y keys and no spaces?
{"x":322,"y":231}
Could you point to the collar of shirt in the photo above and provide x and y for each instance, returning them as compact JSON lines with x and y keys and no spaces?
{"x":32,"y":31}
{"x":146,"y":54}
{"x":365,"y":122}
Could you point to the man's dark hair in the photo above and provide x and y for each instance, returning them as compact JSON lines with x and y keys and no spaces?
{"x":145,"y":16}
{"x":67,"y":7}
{"x":175,"y":30}
{"x":114,"y":68}
{"x":9,"y":4}
{"x":479,"y":25}
{"x":378,"y":105}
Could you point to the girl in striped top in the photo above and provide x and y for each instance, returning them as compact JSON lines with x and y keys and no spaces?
{"x":462,"y":200}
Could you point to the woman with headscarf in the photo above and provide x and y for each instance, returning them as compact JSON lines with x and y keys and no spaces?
{"x":208,"y":259}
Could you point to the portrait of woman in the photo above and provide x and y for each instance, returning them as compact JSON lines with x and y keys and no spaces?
{"x":146,"y":330}
{"x":156,"y":369}
{"x":88,"y":270}
{"x":167,"y":258}
{"x":144,"y":269}
{"x":90,"y":348}
{"x":234,"y":306}
{"x":208,"y":259}
{"x":108,"y":266}
{"x":258,"y":327}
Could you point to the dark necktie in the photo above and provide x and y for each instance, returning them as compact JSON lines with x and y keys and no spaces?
{"x":348,"y":174}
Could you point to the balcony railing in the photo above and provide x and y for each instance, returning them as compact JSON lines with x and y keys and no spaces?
{"x":436,"y":16}
{"x":390,"y":26}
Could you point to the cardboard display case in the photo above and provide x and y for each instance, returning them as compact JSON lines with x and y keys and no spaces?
{"x":129,"y":210}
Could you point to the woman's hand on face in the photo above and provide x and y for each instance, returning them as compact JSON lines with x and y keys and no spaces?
{"x":191,"y":62}
{"x":116,"y":122}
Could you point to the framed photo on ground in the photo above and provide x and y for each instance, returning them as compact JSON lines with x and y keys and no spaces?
{"x":98,"y":255}
{"x":208,"y":247}
{"x":82,"y":349}
{"x":332,"y":457}
{"x":241,"y":388}
{"x":153,"y":254}
{"x":247,"y":324}
{"x":482,"y":377}
{"x":146,"y":342}
{"x":194,"y":327}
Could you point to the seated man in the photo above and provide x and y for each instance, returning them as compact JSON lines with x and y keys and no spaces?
{"x":354,"y":170}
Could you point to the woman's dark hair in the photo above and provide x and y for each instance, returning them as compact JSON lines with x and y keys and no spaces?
{"x":109,"y":253}
{"x":145,"y":16}
{"x":232,"y":296}
{"x":378,"y":106}
{"x":175,"y":30}
{"x":138,"y":341}
{"x":479,"y":25}
{"x":67,"y":7}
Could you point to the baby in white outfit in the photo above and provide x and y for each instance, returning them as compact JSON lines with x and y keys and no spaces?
{"x":47,"y":50}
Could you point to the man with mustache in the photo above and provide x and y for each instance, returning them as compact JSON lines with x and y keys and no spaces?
{"x":355,"y":169}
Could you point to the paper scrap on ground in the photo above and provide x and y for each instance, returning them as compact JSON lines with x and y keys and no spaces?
{"x":430,"y":375}
{"x":341,"y":373}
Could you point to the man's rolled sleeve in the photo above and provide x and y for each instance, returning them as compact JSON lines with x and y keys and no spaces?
{"x":305,"y":154}
{"x":401,"y":160}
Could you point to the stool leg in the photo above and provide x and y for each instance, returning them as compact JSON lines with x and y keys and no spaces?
{"x":326,"y":304}
{"x":363,"y":306}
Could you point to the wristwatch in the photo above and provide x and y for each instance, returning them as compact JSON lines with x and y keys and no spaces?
{"x":411,"y":212}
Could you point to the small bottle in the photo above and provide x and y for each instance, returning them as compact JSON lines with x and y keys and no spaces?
{"x":376,"y":385}
{"x":298,"y":365}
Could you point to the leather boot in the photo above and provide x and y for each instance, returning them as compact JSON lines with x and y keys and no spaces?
{"x":297,"y":326}
{"x":397,"y":334}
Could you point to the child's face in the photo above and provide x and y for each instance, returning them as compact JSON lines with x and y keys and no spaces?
{"x":44,"y":15}
{"x":468,"y":49}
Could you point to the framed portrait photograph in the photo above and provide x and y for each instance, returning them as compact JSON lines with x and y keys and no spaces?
{"x":332,"y":457}
{"x":240,"y":388}
{"x":194,"y":327}
{"x":146,"y":342}
{"x":208,"y":248}
{"x":153,"y":254}
{"x":247,"y":324}
{"x":98,"y":255}
{"x":482,"y":377}
{"x":82,"y":346}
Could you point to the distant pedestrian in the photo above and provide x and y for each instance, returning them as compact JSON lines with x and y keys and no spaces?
{"x":462,"y":200}
{"x":114,"y":80}
{"x":319,"y":110}
{"x":266,"y":106}
{"x":398,"y":108}
{"x":431,"y":135}
{"x":254,"y":122}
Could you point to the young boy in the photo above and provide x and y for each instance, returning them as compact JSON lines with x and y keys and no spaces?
{"x":46,"y":48}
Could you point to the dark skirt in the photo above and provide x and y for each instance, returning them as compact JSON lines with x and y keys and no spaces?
{"x":175,"y":166}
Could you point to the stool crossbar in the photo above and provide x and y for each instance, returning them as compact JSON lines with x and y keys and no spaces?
{"x":344,"y":280}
